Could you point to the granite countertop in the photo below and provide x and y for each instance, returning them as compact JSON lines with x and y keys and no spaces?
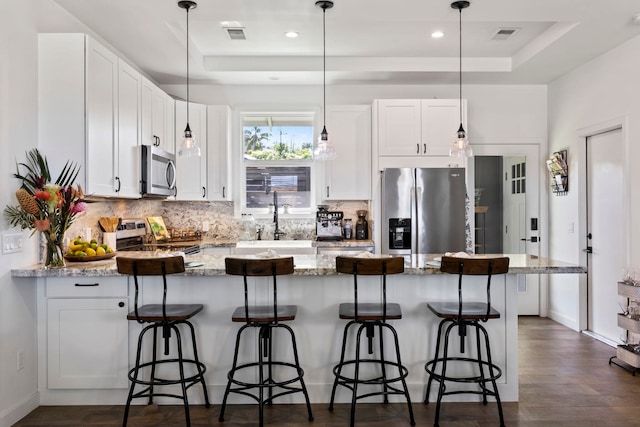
{"x":305,"y":265}
{"x":216,"y":243}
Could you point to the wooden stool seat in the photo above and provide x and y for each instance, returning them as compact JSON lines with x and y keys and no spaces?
{"x":369,"y":311}
{"x":470,"y":310}
{"x":173,"y":312}
{"x":264,"y":314}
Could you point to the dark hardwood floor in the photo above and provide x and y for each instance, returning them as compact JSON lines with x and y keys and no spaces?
{"x":565,"y":380}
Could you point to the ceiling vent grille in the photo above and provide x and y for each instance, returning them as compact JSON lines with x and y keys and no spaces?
{"x":236,"y":33}
{"x":504,"y":33}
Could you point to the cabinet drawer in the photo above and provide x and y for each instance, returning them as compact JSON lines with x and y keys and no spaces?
{"x":87,"y":287}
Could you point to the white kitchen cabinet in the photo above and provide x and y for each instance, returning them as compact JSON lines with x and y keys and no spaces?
{"x":89,"y":113}
{"x":348,"y":176}
{"x":191,"y":172}
{"x":157,"y":117}
{"x":218,"y":152}
{"x":414,"y":127}
{"x":86,"y":333}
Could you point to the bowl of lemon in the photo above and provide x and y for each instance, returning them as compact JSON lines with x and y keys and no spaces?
{"x":83,"y":251}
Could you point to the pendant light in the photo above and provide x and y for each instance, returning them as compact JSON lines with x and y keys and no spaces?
{"x":324,"y":149}
{"x":188,"y":146}
{"x":460,"y":147}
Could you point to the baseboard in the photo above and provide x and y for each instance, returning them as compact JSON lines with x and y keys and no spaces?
{"x":15,"y":413}
{"x":564,"y":320}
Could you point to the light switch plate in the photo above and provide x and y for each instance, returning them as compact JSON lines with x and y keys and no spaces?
{"x":11,"y":243}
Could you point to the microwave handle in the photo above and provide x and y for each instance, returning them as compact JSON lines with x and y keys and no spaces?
{"x":170,"y":166}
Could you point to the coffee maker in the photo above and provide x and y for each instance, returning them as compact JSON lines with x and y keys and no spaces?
{"x":329,"y":225}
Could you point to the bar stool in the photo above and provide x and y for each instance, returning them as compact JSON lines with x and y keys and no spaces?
{"x":166,"y":318}
{"x":266,"y":318}
{"x":367,"y":316}
{"x":463,"y":316}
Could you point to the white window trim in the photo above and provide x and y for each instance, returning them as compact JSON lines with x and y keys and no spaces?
{"x":239,"y":177}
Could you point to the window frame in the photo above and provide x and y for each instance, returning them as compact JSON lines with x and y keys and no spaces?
{"x":239,"y":163}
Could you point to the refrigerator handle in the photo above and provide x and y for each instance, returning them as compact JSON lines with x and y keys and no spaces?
{"x":417,"y":198}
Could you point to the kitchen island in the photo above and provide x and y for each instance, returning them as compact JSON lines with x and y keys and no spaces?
{"x":85,"y":343}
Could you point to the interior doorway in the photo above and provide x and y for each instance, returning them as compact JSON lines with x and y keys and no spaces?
{"x":511,"y":220}
{"x":606,"y":231}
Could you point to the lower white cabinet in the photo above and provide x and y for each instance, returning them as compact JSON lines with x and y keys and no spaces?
{"x":87,"y":333}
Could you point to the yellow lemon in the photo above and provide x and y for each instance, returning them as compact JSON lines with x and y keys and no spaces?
{"x":90,"y":252}
{"x":100,"y":251}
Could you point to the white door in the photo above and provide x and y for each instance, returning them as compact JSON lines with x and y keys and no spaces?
{"x":518,"y":236}
{"x":605,"y":224}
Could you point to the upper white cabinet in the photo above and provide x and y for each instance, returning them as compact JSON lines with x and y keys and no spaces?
{"x":414,"y":127}
{"x":191,"y":172}
{"x":348,"y":176}
{"x":157,"y":117}
{"x":89,"y":113}
{"x":218,"y":159}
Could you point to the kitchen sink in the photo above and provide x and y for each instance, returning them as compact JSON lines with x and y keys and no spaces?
{"x":281,"y":247}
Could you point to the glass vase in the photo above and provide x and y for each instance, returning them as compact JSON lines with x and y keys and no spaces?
{"x":54,"y":254}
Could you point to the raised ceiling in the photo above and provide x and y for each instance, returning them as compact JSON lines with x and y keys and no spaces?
{"x":368,"y":41}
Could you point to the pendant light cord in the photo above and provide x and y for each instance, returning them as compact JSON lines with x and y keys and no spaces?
{"x":324,"y":67}
{"x":188,"y":65}
{"x":460,"y":58}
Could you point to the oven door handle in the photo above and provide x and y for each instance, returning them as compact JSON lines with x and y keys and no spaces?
{"x":170,"y":174}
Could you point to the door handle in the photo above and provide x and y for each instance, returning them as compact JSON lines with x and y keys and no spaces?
{"x":589,"y":250}
{"x":533,"y":239}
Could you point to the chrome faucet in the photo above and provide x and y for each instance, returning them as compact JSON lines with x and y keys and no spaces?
{"x":276,"y":232}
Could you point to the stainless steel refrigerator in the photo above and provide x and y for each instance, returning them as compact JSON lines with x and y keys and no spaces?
{"x":423,"y":210}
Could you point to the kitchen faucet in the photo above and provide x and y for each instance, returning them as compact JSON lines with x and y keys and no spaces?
{"x":276,"y":232}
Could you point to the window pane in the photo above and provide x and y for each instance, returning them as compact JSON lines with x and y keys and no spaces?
{"x":287,"y":137}
{"x":293,"y":184}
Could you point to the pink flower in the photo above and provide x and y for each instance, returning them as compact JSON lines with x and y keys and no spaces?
{"x":42,"y":224}
{"x":79,"y":207}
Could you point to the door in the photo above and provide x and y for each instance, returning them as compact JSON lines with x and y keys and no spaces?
{"x":399,"y":127}
{"x":127,"y":153}
{"x":516,"y":227}
{"x":605,"y":224}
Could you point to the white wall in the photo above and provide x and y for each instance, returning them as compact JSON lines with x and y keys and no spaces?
{"x":605,"y":89}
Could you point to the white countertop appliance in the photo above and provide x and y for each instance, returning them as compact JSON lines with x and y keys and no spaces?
{"x":329,"y":225}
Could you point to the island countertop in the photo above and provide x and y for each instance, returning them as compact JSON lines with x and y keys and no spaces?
{"x":305,"y":265}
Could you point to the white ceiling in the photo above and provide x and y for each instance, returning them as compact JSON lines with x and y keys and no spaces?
{"x":367,"y":41}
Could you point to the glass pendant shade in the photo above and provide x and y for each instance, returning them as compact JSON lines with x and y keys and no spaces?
{"x":188,"y":146}
{"x":460,"y":147}
{"x":324,"y":149}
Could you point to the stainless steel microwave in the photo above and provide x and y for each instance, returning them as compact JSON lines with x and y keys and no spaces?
{"x":158,"y":172}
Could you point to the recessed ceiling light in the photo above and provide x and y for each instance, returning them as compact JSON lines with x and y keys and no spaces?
{"x":291,"y":34}
{"x":437,"y":34}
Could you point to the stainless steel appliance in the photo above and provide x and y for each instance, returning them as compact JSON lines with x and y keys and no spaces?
{"x":158,"y":172}
{"x":133,"y":235}
{"x":423,"y":211}
{"x":329,"y":225}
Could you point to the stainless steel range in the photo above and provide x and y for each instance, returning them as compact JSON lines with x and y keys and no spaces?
{"x":133,"y":235}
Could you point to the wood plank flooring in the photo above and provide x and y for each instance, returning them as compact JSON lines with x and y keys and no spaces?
{"x":565,"y":381}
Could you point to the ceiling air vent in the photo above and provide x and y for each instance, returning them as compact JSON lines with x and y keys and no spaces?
{"x":236,"y":33}
{"x":504,"y":33}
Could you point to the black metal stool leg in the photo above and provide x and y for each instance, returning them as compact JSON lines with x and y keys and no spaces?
{"x":299,"y":368}
{"x":183,"y":384}
{"x":154,"y":359}
{"x":385,"y":389}
{"x":435,"y":360}
{"x":260,"y":379}
{"x":133,"y":375}
{"x":442,"y":387}
{"x":197,"y":359}
{"x":338,"y":370}
{"x":356,"y":376}
{"x":483,"y":385}
{"x":231,"y":373}
{"x":400,"y":373}
{"x":493,"y":375}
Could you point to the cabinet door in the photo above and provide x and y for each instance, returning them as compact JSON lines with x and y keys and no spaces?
{"x":399,"y":127}
{"x":218,"y":160}
{"x":348,"y":176}
{"x":440,"y":123}
{"x":101,"y":109}
{"x":87,"y":343}
{"x":127,"y":149}
{"x":169,"y":142}
{"x":191,"y":172}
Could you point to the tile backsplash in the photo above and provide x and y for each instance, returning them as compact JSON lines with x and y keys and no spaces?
{"x":191,"y":215}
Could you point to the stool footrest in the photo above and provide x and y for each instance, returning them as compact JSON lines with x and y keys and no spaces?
{"x":431,"y":365}
{"x":156,"y":381}
{"x":266,"y":383}
{"x":344,"y":380}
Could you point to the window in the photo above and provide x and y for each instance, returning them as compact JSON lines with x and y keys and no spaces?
{"x":277,"y":157}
